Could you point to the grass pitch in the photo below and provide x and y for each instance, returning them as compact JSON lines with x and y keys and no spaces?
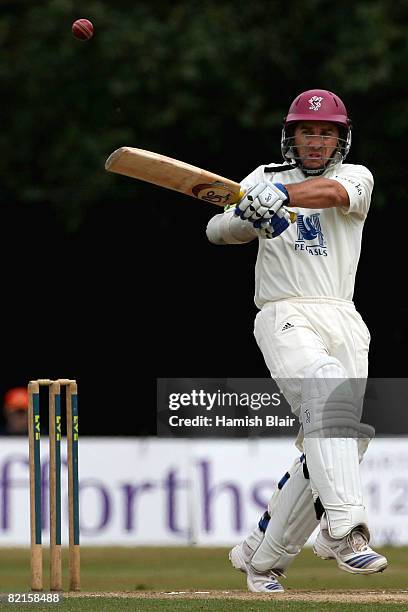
{"x":168,"y":578}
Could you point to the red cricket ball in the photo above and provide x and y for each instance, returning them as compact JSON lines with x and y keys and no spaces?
{"x":82,"y":29}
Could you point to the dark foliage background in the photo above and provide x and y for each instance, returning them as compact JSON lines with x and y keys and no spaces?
{"x":112,"y":281}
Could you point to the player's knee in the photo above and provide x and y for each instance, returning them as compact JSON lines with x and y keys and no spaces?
{"x":326,"y":367}
{"x":331,"y":402}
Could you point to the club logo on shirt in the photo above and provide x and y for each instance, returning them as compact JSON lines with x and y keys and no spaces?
{"x":310,"y":236}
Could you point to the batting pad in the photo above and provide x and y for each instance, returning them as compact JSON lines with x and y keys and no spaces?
{"x":292,"y":522}
{"x":330,"y":414}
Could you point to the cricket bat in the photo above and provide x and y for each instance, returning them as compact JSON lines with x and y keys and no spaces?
{"x":177,"y":175}
{"x":174,"y":174}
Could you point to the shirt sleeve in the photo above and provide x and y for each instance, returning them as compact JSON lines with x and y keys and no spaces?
{"x":358,"y":182}
{"x":226,"y":228}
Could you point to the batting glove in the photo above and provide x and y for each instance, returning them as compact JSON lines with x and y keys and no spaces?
{"x":263,"y":206}
{"x":275,"y":226}
{"x":262,"y":202}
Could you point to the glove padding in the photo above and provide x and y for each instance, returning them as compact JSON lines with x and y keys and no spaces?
{"x":263,"y":206}
{"x":273,"y":227}
{"x":262,"y":202}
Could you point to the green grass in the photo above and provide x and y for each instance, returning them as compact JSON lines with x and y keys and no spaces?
{"x":256,"y":606}
{"x":201,"y":569}
{"x":107,"y":604}
{"x":158,"y":569}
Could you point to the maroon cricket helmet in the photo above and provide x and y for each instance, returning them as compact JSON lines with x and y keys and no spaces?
{"x":318,"y":105}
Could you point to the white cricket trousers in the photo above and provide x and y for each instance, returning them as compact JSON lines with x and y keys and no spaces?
{"x":294,"y":333}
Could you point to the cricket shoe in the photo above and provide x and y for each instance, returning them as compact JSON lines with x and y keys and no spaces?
{"x":240,"y":557}
{"x":352,"y":553}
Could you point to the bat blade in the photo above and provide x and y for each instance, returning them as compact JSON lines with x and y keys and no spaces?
{"x":174,"y":174}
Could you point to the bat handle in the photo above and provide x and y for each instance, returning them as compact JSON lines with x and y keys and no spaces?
{"x":238,"y":197}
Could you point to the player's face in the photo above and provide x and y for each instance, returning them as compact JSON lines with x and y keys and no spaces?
{"x":18,"y":422}
{"x":315,"y":142}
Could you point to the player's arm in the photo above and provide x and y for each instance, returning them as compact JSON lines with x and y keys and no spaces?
{"x":227,"y":228}
{"x":349,"y":189}
{"x":260,"y":213}
{"x":318,"y":193}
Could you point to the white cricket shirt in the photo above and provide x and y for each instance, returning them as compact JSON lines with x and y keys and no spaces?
{"x":317,"y":256}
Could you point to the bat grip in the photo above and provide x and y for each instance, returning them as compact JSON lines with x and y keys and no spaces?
{"x":238,"y":196}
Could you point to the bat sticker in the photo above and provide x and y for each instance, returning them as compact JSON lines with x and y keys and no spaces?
{"x":215,"y":193}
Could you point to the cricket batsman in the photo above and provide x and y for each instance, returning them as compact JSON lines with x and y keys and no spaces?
{"x":314,"y":342}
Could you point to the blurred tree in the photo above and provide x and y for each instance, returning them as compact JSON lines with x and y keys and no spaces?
{"x":208,"y":82}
